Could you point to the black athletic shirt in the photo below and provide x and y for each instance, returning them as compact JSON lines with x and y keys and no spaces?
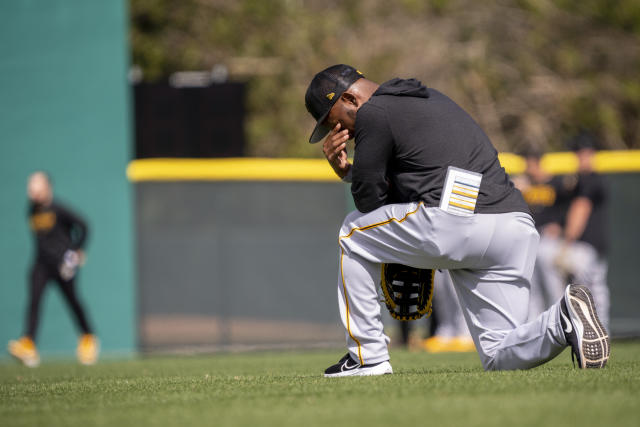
{"x":56,"y":230}
{"x":549,"y":201}
{"x":405,"y":138}
{"x":593,"y":187}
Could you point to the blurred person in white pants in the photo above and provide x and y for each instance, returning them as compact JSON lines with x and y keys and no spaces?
{"x":451,"y":333}
{"x":575,"y":248}
{"x":548,"y":198}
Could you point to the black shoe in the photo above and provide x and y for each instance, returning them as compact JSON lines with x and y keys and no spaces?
{"x":348,"y":367}
{"x":588,"y":339}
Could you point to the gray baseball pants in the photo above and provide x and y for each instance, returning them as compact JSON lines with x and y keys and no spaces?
{"x":490,"y":258}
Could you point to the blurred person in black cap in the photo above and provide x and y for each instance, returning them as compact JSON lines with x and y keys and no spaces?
{"x":586,"y":235}
{"x":548,"y":197}
{"x":60,"y":236}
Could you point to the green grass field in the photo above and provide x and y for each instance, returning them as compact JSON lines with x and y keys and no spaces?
{"x":286,"y":388}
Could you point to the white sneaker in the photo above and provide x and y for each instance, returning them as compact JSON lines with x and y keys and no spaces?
{"x":347,"y":367}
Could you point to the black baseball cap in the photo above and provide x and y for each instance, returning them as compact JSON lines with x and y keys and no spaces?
{"x":324,"y":90}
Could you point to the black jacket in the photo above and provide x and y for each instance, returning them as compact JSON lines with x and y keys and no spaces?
{"x":594,"y":187}
{"x":406,"y":136}
{"x":56,"y":230}
{"x":549,"y":201}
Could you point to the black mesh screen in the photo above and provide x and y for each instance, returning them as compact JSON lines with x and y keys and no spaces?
{"x":189,"y":122}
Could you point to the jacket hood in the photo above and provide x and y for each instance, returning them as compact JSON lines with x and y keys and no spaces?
{"x":403,"y":87}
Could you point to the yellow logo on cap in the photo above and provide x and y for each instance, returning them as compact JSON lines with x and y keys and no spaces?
{"x":359,"y":72}
{"x":331,"y":95}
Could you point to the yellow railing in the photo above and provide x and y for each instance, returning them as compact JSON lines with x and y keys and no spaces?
{"x":318,"y":170}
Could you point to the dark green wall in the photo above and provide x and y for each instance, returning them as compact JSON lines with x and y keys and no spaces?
{"x":64,"y":107}
{"x":624,"y":255}
{"x":238,"y":263}
{"x":224,"y":264}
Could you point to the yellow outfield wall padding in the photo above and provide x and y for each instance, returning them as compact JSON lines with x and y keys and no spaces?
{"x":230,"y":169}
{"x":318,"y":170}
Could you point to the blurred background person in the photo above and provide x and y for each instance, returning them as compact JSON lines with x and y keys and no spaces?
{"x":548,"y":198}
{"x":583,"y":256}
{"x":60,"y":235}
{"x":450,"y":333}
{"x":447,"y":327}
{"x":571,"y":215}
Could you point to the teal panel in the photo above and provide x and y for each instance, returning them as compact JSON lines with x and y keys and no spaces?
{"x":65,"y":108}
